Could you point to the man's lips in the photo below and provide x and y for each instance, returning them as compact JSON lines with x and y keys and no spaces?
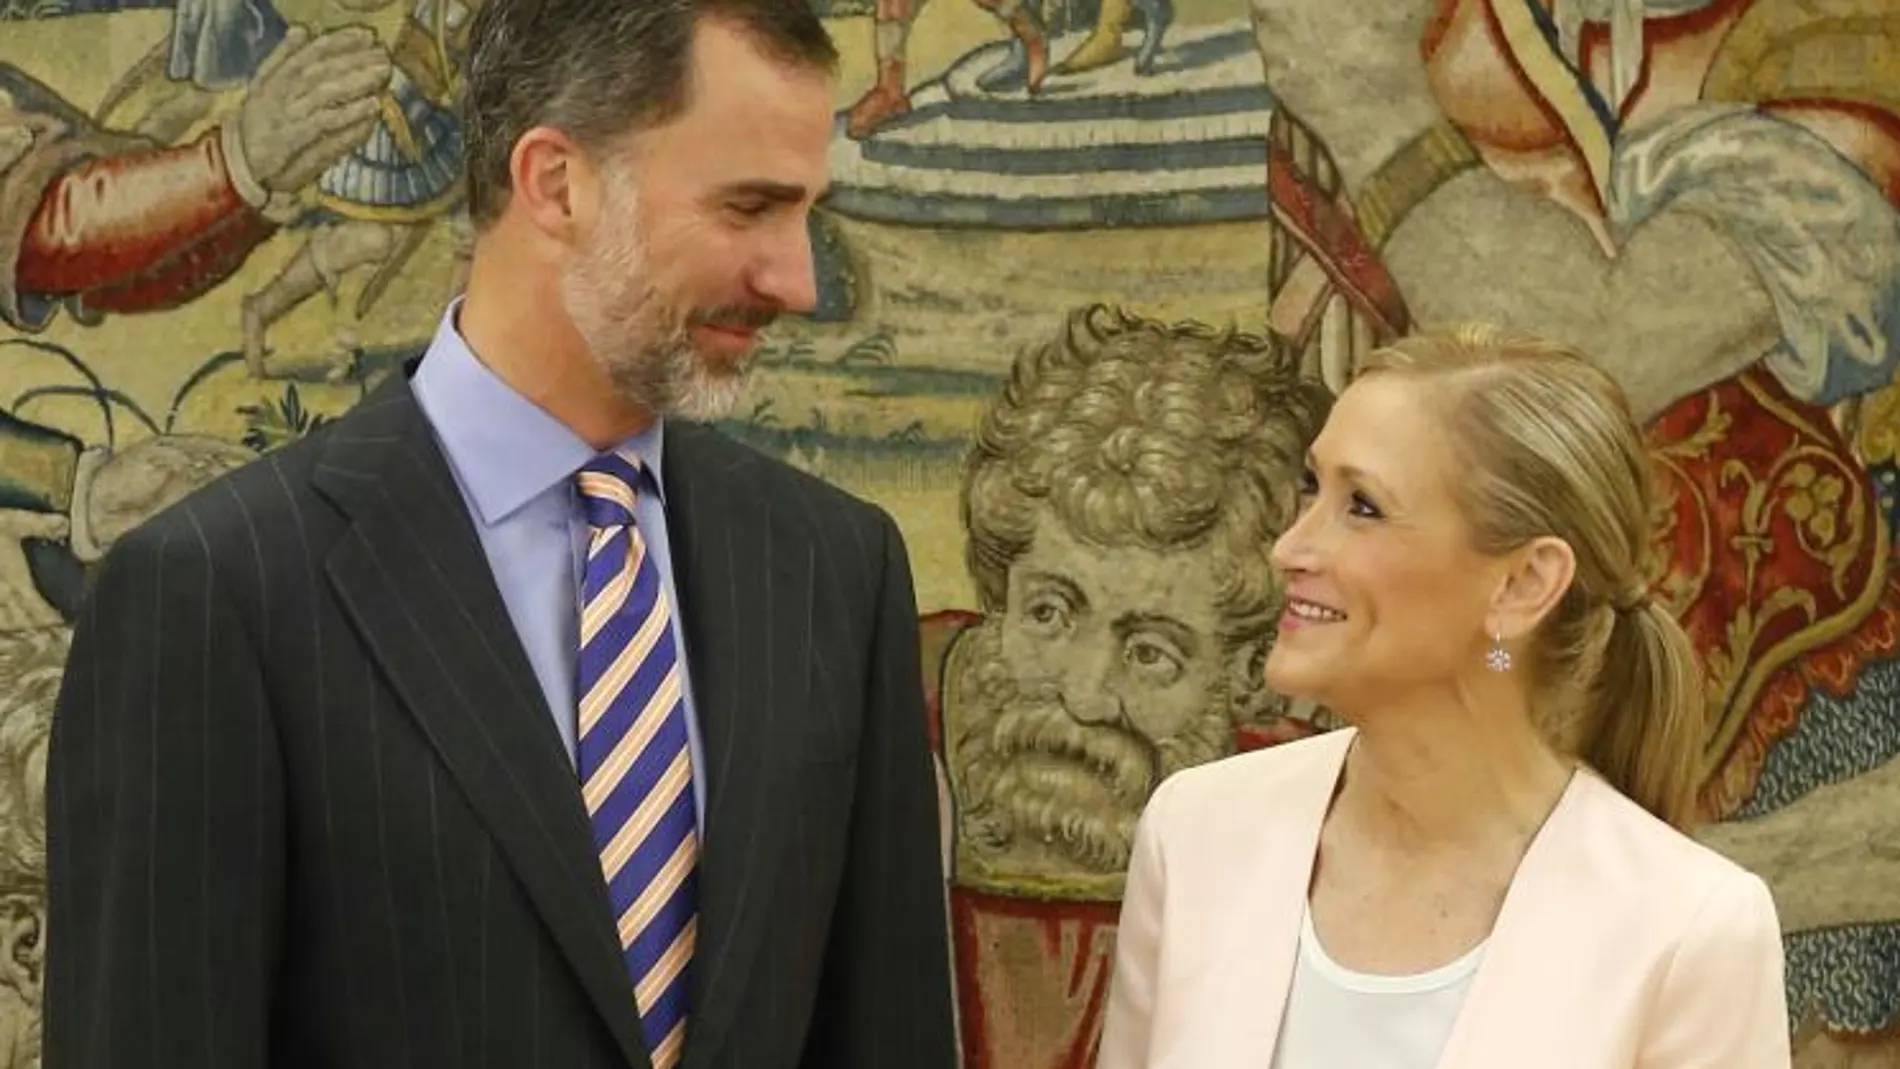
{"x":727,"y":339}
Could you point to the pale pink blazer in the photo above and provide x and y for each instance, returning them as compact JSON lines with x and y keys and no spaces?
{"x":1621,"y":943}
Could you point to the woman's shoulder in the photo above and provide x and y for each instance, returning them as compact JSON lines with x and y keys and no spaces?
{"x":1254,"y":784}
{"x":1620,"y":842}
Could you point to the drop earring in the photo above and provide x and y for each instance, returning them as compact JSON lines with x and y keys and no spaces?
{"x":1498,"y":659}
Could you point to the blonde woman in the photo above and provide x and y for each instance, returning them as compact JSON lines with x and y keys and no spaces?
{"x":1485,"y":870}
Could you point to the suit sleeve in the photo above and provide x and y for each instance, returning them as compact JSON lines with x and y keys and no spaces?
{"x":1128,"y":1020}
{"x":165,"y":858}
{"x":886,"y":995}
{"x":1722,"y":1003}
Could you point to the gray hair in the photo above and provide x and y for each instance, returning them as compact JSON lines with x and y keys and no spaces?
{"x":599,"y":70}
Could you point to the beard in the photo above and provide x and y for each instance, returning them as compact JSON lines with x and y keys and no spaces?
{"x":639,"y":336}
{"x":1034,"y":772}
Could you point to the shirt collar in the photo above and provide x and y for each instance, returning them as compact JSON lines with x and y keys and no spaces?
{"x":505,"y":450}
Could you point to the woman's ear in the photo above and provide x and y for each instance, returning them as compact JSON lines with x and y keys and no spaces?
{"x":1538,"y":576}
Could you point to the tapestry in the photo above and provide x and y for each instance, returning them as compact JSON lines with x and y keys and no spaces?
{"x":1040,"y":209}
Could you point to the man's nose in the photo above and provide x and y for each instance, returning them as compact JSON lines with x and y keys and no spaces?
{"x":787,"y":277}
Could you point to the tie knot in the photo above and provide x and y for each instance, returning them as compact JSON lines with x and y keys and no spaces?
{"x":608,"y":486}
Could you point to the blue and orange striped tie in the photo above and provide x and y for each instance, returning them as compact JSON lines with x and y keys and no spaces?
{"x":635,"y":766}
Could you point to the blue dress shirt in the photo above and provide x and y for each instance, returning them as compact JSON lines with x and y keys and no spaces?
{"x":515,"y":465}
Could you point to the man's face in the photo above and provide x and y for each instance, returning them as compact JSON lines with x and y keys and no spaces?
{"x":1108,"y":674}
{"x":700,"y":236}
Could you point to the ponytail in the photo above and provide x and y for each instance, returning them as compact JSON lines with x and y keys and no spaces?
{"x":1648,"y":713}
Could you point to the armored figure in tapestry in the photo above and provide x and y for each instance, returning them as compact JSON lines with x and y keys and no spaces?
{"x":388,"y":183}
{"x":104,"y":220}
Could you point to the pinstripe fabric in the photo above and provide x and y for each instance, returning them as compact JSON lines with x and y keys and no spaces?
{"x":632,"y":754}
{"x":307,"y":806}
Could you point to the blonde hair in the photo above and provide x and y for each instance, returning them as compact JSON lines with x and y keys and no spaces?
{"x":1551,"y":449}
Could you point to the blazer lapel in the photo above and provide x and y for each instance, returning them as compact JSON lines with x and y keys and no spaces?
{"x":744,"y":573}
{"x":1280,"y":891}
{"x":414,"y":579}
{"x":1545,"y":951}
{"x":1224,"y":981}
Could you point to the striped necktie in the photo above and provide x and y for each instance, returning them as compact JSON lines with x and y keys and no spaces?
{"x":632,"y":755}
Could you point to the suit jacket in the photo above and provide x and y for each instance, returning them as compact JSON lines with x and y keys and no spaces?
{"x":307,"y":806}
{"x":1621,"y":943}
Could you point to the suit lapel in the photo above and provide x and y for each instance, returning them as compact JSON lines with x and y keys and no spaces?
{"x":745,"y":580}
{"x":414,"y":579}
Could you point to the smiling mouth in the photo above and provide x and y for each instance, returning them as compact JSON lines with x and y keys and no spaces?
{"x":1309,"y":612}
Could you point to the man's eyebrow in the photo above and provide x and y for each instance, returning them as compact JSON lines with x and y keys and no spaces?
{"x":783,"y":192}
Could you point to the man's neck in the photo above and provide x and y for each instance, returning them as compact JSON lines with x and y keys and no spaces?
{"x":513,"y":322}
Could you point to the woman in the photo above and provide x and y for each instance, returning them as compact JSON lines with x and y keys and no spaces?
{"x":1483,"y":871}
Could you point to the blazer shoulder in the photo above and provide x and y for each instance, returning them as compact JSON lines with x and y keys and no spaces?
{"x":1653,"y":862}
{"x":1244,"y":787}
{"x":1701,"y":932}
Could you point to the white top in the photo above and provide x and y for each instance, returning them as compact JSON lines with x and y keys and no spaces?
{"x":1338,"y":1017}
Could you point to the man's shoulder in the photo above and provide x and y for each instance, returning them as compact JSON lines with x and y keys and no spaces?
{"x":814,"y":499}
{"x":259,"y":510}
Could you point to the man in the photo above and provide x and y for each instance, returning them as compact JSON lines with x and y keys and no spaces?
{"x":1121,"y":500}
{"x":506,"y":721}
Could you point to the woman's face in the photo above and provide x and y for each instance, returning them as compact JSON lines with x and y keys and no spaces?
{"x":1385,"y":594}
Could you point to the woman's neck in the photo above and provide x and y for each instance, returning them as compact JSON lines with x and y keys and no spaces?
{"x":1428,"y":780}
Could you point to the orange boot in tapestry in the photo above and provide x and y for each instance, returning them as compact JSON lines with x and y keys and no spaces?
{"x":889,"y":98}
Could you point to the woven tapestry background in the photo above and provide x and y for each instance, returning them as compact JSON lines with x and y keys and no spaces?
{"x":1704,"y":193}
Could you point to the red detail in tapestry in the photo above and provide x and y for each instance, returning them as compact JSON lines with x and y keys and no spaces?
{"x":1327,"y":231}
{"x":937,"y":634}
{"x":991,"y":933}
{"x":1659,"y":33}
{"x":141,"y":231}
{"x":1765,"y":497}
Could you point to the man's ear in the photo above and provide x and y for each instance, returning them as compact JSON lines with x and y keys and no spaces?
{"x":555,"y":187}
{"x":1536,"y":577}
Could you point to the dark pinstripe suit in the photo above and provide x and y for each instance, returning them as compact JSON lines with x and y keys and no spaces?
{"x":306,"y":806}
